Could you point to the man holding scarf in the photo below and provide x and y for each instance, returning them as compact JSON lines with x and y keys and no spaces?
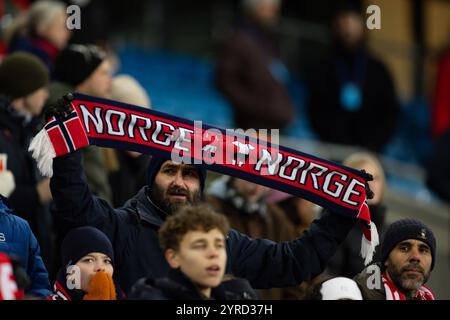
{"x":133,"y":228}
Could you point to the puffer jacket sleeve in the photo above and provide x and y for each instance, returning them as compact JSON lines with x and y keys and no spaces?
{"x":40,"y":284}
{"x":267,"y":264}
{"x":74,"y":204}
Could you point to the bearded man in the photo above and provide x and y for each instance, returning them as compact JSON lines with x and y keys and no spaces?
{"x":407,"y":258}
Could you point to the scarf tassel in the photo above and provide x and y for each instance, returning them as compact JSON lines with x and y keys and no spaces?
{"x":42,"y":149}
{"x":369,"y":241}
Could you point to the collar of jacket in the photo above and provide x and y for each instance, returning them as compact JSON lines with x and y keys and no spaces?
{"x":18,"y":124}
{"x":146,"y":209}
{"x":179,"y":286}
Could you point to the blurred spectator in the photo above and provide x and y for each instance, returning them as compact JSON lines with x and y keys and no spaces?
{"x":299,"y":211}
{"x":9,"y":10}
{"x":7,"y":183}
{"x":87,"y":267}
{"x":352,"y":95}
{"x":347,"y":261}
{"x":9,"y":290}
{"x":86,"y":69}
{"x":441,"y":104}
{"x":42,"y":31}
{"x":18,"y":240}
{"x":97,"y":21}
{"x":339,"y":288}
{"x":193,"y":242}
{"x":244,"y":204}
{"x":438,"y":168}
{"x":23,"y":90}
{"x":408,"y":255}
{"x":250,"y":73}
{"x":129,"y":178}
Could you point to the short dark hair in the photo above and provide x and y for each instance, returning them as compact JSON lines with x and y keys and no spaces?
{"x":199,"y":217}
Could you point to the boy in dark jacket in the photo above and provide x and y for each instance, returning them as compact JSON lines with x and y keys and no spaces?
{"x":193,"y":242}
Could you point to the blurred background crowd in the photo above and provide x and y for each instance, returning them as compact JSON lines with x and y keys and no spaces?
{"x":375,"y":98}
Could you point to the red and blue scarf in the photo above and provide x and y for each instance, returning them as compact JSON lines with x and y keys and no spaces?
{"x":107,"y":123}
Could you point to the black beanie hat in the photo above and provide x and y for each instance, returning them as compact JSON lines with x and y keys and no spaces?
{"x":82,"y":241}
{"x":21,"y":74}
{"x":77,"y":62}
{"x":407,"y":229}
{"x":155,"y":164}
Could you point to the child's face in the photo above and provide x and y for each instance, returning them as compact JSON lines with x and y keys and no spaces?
{"x":92,"y":263}
{"x":201,"y":257}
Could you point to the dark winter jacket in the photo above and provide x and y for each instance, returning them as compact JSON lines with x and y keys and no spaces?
{"x":15,"y":135}
{"x":374,"y":122}
{"x":176,"y":286}
{"x":347,"y":261}
{"x":133,"y":231}
{"x":17,"y":239}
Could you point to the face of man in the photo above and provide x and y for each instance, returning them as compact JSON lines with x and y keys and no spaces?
{"x":57,"y":32}
{"x":349,"y":29}
{"x":377,"y":184}
{"x":201,"y":256}
{"x":176,"y":185}
{"x":408,"y":265}
{"x":267,"y":12}
{"x":99,"y":82}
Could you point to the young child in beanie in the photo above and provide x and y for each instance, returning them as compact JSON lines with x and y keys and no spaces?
{"x":88,"y":267}
{"x":193,"y":241}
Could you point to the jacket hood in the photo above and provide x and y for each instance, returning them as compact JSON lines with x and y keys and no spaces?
{"x":145,"y":208}
{"x":371,"y":276}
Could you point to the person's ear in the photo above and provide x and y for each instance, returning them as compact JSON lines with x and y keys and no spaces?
{"x":172,"y":258}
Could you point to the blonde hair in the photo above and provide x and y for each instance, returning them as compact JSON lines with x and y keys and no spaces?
{"x":41,"y":15}
{"x":127,"y":89}
{"x":359,"y":159}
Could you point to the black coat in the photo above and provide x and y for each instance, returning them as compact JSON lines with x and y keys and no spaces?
{"x":374,"y":123}
{"x":133,"y":231}
{"x":176,"y":286}
{"x":14,"y":141}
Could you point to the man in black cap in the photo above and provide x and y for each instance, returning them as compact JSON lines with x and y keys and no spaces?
{"x":86,"y":69}
{"x":23,"y":91}
{"x":407,"y":258}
